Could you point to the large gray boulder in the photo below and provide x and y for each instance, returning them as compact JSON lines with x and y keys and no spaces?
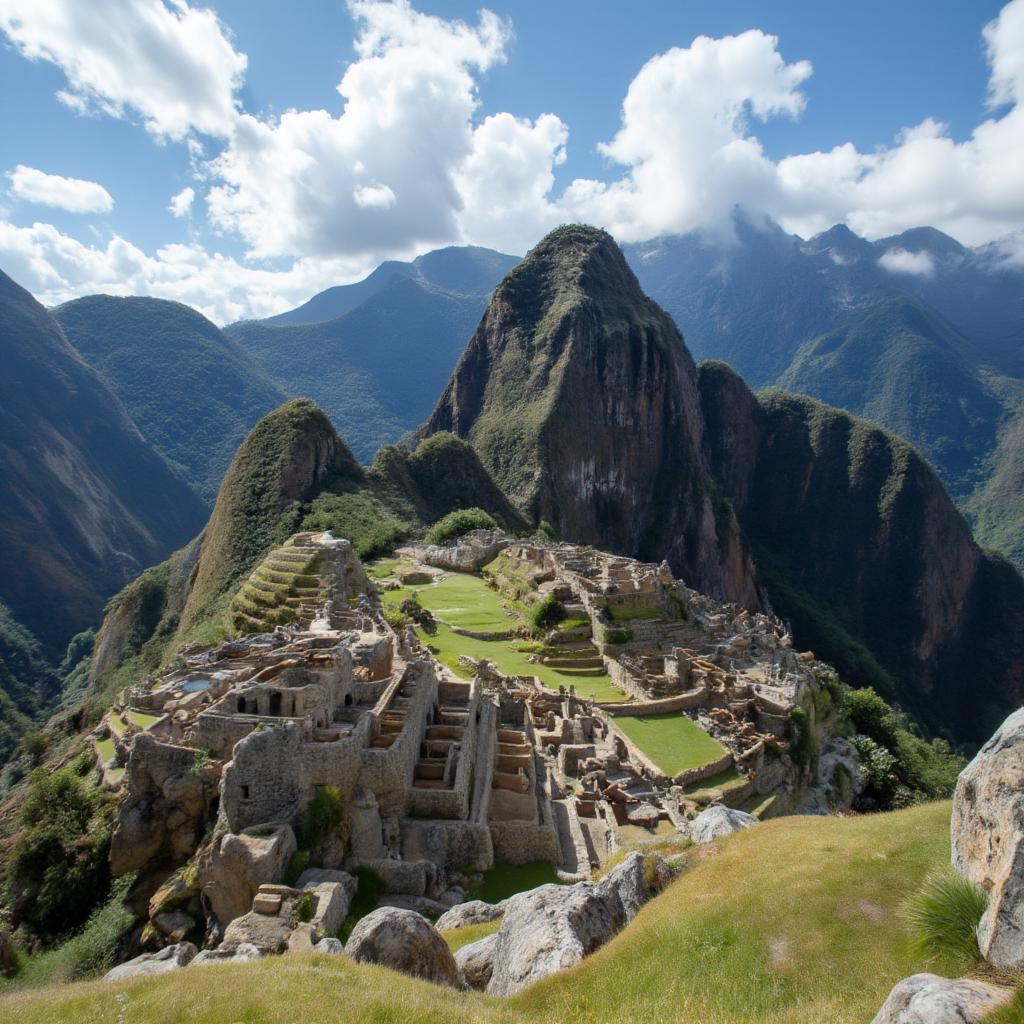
{"x":476,"y":961}
{"x":170,"y":958}
{"x":232,"y":868}
{"x":470,"y":912}
{"x":406,"y":942}
{"x":554,"y":927}
{"x":929,"y":999}
{"x":718,"y":821}
{"x":987,"y":832}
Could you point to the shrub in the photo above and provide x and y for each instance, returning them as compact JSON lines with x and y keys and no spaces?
{"x":460,"y":522}
{"x":59,"y":864}
{"x":870,"y":716}
{"x":200,"y":760}
{"x":943,"y":917}
{"x":546,"y":532}
{"x":304,"y":907}
{"x":322,"y":817}
{"x":33,"y":745}
{"x":878,"y":767}
{"x":547,"y":614}
{"x":616,"y":636}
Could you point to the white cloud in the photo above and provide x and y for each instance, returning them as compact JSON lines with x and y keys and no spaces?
{"x":56,"y":267}
{"x":181,"y":202}
{"x":72,"y":194}
{"x":380,"y":176}
{"x":900,"y":261}
{"x":171,"y":64}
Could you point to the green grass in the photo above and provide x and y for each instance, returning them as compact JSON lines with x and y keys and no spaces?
{"x":459,"y":937}
{"x":469,"y":603}
{"x":629,"y":613}
{"x":729,"y":779}
{"x":793,"y":922}
{"x":504,"y":880}
{"x":382,"y":568}
{"x":106,"y":750}
{"x":143,"y":719}
{"x":673,"y":741}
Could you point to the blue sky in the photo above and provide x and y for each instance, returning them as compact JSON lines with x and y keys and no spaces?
{"x":448,"y":141}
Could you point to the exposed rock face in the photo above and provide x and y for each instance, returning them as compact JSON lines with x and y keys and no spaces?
{"x":929,"y":999}
{"x":163,"y":815}
{"x":406,"y":942}
{"x":233,"y":867}
{"x":471,"y":912}
{"x":170,"y":958}
{"x":718,"y":821}
{"x":581,"y":399}
{"x":228,"y":955}
{"x":554,"y":926}
{"x":469,"y":553}
{"x":855,"y":538}
{"x":476,"y":961}
{"x":988,"y":840}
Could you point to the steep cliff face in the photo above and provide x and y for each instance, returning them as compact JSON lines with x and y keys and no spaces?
{"x":862,"y":549}
{"x":580,"y":398}
{"x":85,"y":502}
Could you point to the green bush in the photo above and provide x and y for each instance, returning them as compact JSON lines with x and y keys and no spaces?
{"x":322,"y":817}
{"x":33,"y":745}
{"x":304,"y":907}
{"x":943,"y":917}
{"x":58,"y":868}
{"x":370,"y":886}
{"x":360,"y":518}
{"x":616,"y":636}
{"x":547,"y":614}
{"x":870,"y":716}
{"x":458,"y":523}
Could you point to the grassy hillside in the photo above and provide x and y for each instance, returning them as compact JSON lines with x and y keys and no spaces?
{"x":192,"y":391}
{"x":376,"y":370}
{"x":793,"y":922}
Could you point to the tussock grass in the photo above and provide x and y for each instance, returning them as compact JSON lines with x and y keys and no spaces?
{"x":793,"y":922}
{"x":943,"y":916}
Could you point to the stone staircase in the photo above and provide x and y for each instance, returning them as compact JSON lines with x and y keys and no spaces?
{"x":432,"y":770}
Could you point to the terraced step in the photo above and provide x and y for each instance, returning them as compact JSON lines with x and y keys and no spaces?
{"x":564,"y":663}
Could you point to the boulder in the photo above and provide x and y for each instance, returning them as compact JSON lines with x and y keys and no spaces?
{"x":332,"y":902}
{"x":643,"y":814}
{"x":173,"y":925}
{"x":476,"y":961}
{"x":233,"y":867}
{"x":227,"y":955}
{"x":987,"y":832}
{"x":555,"y":926}
{"x":168,"y":959}
{"x":329,"y":945}
{"x":718,"y":821}
{"x":471,"y":912}
{"x":406,"y":942}
{"x":420,"y":904}
{"x":929,"y":999}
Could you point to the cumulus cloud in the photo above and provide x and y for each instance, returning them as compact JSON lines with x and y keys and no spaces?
{"x":379,"y":176}
{"x":901,"y":261}
{"x":56,"y":267}
{"x":171,"y":64}
{"x":181,"y":202}
{"x":72,"y":194}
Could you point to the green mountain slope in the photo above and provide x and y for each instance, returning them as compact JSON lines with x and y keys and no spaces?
{"x":193,"y":393}
{"x":462,"y":270}
{"x":861,"y":548}
{"x":580,"y":398}
{"x":85,"y":502}
{"x":377,"y":369}
{"x":900,"y":364}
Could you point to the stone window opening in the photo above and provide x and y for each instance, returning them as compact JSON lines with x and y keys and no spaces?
{"x":245,"y":792}
{"x":275,"y":704}
{"x":348,"y":700}
{"x":241,"y":705}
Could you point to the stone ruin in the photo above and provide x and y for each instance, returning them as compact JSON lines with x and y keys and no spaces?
{"x":437,"y":777}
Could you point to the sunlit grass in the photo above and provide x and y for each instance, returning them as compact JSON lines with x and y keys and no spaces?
{"x":792,"y":922}
{"x":673,"y":742}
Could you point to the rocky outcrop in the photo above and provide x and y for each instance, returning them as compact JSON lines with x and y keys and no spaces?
{"x":718,"y":821}
{"x":988,"y":840}
{"x":163,"y":816}
{"x":469,"y":553}
{"x":929,"y":999}
{"x":170,"y":958}
{"x":476,"y":961}
{"x":243,"y":953}
{"x":859,"y":546}
{"x":406,"y":942}
{"x":580,"y":398}
{"x":470,"y":912}
{"x":232,"y":868}
{"x":554,"y":927}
